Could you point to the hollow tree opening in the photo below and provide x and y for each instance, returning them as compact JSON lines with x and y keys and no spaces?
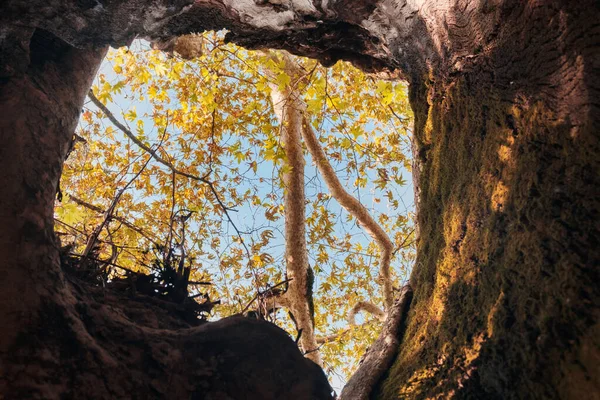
{"x":503,"y":93}
{"x":281,"y":183}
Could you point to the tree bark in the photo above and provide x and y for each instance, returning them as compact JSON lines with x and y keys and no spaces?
{"x":64,"y":339}
{"x":378,"y":359}
{"x":506,"y":301}
{"x":37,"y":121}
{"x":299,"y":296}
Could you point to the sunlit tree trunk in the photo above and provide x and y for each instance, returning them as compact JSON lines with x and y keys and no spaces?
{"x":506,"y":301}
{"x":506,"y":129}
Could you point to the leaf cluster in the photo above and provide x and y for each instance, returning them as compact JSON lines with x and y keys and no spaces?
{"x":212,"y":117}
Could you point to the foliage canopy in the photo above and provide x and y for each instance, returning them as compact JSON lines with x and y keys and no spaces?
{"x":211,"y":119}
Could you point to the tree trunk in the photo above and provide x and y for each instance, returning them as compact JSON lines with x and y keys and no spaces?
{"x":299,"y":296}
{"x":64,"y":339}
{"x":506,"y":280}
{"x":506,"y":300}
{"x":37,"y":121}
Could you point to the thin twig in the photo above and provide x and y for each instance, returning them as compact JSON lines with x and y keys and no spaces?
{"x":122,"y":220}
{"x":257,"y":295}
{"x":199,"y":283}
{"x":403,"y":120}
{"x":168,"y":164}
{"x":171,"y":220}
{"x":108,"y":214}
{"x":106,"y":262}
{"x":404,"y":244}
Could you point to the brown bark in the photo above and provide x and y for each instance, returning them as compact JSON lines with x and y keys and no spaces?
{"x":37,"y":121}
{"x":505,"y":95}
{"x":299,"y":296}
{"x":380,"y":354}
{"x":63,"y":339}
{"x":506,"y":300}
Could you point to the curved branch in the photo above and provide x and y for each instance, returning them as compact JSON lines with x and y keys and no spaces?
{"x":331,"y":338}
{"x":346,"y":200}
{"x":366,"y":306}
{"x":355,"y":208}
{"x":380,"y":355}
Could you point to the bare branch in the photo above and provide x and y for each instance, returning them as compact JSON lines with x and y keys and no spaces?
{"x":299,"y":295}
{"x":332,"y":338}
{"x":366,"y":306}
{"x":355,"y":208}
{"x":107,"y":216}
{"x":266,"y":292}
{"x":337,"y":336}
{"x":346,"y":200}
{"x":168,"y":164}
{"x":122,"y":220}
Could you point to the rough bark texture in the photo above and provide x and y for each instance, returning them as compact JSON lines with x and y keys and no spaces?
{"x":506,"y":294}
{"x":505,"y":95}
{"x":37,"y":120}
{"x":328,"y":32}
{"x":380,"y":355}
{"x":63,"y":339}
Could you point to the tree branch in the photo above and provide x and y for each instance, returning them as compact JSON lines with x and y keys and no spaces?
{"x":355,"y":208}
{"x":168,"y":164}
{"x":365,"y":306}
{"x":122,"y":220}
{"x":299,"y":295}
{"x":380,"y":355}
{"x":266,"y":292}
{"x":346,"y":200}
{"x":332,"y":338}
{"x":107,"y":216}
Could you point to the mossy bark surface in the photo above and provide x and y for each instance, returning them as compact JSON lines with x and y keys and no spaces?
{"x":506,"y":302}
{"x":506,"y":282}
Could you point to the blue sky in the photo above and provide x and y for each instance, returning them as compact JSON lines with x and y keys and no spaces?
{"x":246,"y":218}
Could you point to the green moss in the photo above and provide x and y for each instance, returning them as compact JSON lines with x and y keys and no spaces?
{"x":500,"y":287}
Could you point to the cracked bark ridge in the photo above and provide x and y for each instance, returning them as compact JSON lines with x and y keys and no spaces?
{"x":506,"y":303}
{"x":372,"y":35}
{"x":504,"y":94}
